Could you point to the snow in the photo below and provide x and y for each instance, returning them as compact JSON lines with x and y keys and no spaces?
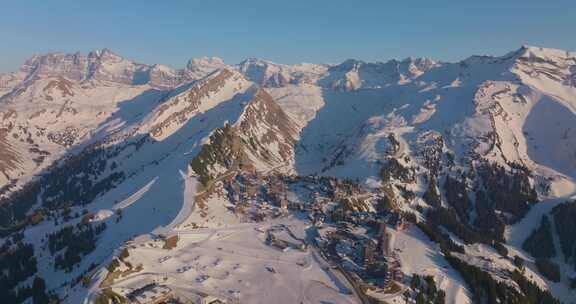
{"x":517,"y":233}
{"x":190,"y":184}
{"x":235,"y":86}
{"x":551,"y":132}
{"x":102,"y":215}
{"x":420,"y":256}
{"x":136,"y":196}
{"x":235,"y":260}
{"x":534,"y":51}
{"x":426,"y":112}
{"x":91,"y":111}
{"x":524,"y":101}
{"x":155,"y":191}
{"x":212,"y":213}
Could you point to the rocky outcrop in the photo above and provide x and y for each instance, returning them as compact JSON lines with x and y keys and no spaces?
{"x":269,"y":132}
{"x":263,"y":138}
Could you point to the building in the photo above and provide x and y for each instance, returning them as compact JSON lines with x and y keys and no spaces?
{"x":284,"y":203}
{"x":384,"y":246}
{"x":369,"y":252}
{"x":378,"y":269}
{"x":276,"y":192}
{"x":202,"y":298}
{"x":151,"y":294}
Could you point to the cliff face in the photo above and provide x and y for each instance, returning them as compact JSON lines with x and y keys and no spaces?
{"x":269,"y":132}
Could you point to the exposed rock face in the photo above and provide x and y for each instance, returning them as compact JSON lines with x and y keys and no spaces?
{"x":554,"y":65}
{"x":100,"y":65}
{"x":263,"y":138}
{"x":104,"y":65}
{"x":200,"y":67}
{"x":59,"y":85}
{"x":273,"y":75}
{"x":9,"y":81}
{"x":271,"y":134}
{"x":161,"y":76}
{"x":107,"y":66}
{"x":72,"y":66}
{"x":265,"y":73}
{"x":223,"y":153}
{"x":9,"y":157}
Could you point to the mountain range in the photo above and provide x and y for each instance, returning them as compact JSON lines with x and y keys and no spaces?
{"x":97,"y":151}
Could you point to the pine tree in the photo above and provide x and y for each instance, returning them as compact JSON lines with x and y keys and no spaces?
{"x":415,"y":282}
{"x":39,"y":291}
{"x":420,"y":298}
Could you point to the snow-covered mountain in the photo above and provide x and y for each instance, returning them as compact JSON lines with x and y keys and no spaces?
{"x":479,"y":150}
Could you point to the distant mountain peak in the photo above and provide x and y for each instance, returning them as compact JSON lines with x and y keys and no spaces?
{"x":105,"y":52}
{"x":200,"y":67}
{"x":527,"y":51}
{"x":105,"y":65}
{"x":205,"y":62}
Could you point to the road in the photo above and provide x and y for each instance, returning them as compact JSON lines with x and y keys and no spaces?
{"x":342,"y":281}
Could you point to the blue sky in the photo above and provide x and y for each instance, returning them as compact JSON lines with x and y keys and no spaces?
{"x":171,"y":32}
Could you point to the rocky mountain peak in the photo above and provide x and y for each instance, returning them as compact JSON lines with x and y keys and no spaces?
{"x":349,"y":64}
{"x":417,"y":65}
{"x":72,"y":66}
{"x":205,"y":62}
{"x":200,"y":67}
{"x":104,"y":54}
{"x":527,"y":51}
{"x":265,"y":73}
{"x":531,"y":62}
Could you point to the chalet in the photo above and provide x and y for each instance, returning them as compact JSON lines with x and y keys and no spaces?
{"x":151,"y":294}
{"x":369,"y":252}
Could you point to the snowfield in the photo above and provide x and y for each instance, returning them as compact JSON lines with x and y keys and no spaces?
{"x":234,"y":263}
